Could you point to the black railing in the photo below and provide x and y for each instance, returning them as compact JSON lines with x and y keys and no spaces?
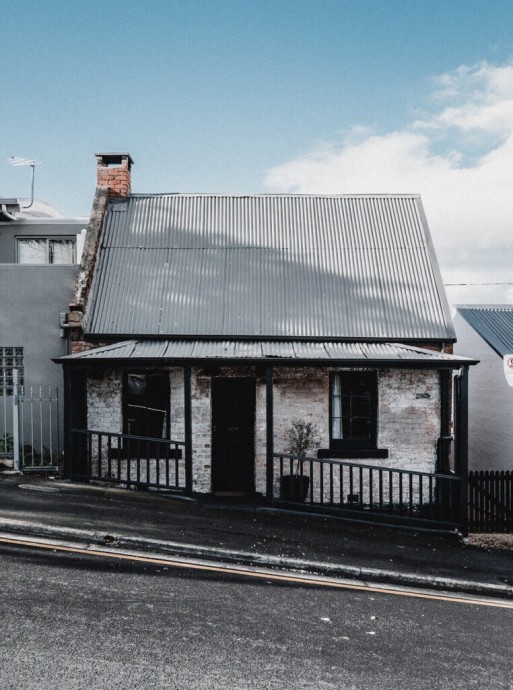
{"x":366,"y":490}
{"x":490,"y":497}
{"x":132,"y":461}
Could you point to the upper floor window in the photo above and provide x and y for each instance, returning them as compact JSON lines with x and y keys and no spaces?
{"x":46,"y":250}
{"x":353,"y":410}
{"x":10,"y":358}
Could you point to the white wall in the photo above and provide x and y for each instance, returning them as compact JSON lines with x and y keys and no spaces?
{"x":490,"y":403}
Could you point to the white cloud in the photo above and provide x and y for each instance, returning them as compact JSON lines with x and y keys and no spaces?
{"x":458,"y":156}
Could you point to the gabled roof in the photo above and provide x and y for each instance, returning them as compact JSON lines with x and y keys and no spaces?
{"x":494,"y":323}
{"x":268,"y":266}
{"x":276,"y":352}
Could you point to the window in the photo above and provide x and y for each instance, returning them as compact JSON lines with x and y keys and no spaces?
{"x":146,"y":404}
{"x":353,"y":410}
{"x":10,"y":358}
{"x":46,"y":250}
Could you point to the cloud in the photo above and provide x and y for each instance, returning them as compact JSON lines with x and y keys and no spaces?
{"x":458,"y":154}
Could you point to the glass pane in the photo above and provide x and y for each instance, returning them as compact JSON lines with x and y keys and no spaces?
{"x":32,"y":252}
{"x":336,"y":408}
{"x":360,"y":428}
{"x":336,"y":429}
{"x":336,"y":384}
{"x":10,"y":358}
{"x":147,"y":397}
{"x":61,"y":251}
{"x":360,"y":406}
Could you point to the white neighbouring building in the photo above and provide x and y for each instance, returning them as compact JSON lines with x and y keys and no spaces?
{"x":485,"y":331}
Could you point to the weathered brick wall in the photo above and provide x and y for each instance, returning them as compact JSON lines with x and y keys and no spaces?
{"x":408,"y":414}
{"x":201,"y":431}
{"x":298,"y":394}
{"x":177,"y":427}
{"x":409,"y":421}
{"x":104,"y":410}
{"x":104,"y":413}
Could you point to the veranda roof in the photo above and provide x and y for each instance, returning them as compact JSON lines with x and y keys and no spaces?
{"x":349,"y":354}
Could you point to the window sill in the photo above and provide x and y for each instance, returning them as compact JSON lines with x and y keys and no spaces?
{"x":353,"y":453}
{"x":122,"y":453}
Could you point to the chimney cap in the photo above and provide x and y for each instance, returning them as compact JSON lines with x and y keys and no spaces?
{"x":114,"y":158}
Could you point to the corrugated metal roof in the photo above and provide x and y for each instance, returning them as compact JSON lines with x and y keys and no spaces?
{"x":274,"y":351}
{"x":270,"y":266}
{"x":494,"y":323}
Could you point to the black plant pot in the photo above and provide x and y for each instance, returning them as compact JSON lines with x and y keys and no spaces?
{"x":294,"y":487}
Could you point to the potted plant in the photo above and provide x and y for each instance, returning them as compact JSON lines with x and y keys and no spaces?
{"x":302,"y":437}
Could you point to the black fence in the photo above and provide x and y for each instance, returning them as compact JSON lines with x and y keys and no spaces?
{"x":490,"y":495}
{"x":367,"y":491}
{"x":131,"y":461}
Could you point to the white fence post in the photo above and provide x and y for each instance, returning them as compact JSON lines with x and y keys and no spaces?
{"x":16,"y":419}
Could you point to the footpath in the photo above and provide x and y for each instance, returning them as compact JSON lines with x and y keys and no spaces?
{"x":231,"y":531}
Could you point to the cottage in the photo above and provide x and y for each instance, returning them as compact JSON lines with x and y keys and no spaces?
{"x":203,"y":325}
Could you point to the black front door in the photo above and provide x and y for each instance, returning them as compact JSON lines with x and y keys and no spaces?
{"x":233,"y":435}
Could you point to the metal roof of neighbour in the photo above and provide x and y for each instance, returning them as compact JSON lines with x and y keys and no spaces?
{"x":271,"y":351}
{"x":268,"y":266}
{"x":494,"y":323}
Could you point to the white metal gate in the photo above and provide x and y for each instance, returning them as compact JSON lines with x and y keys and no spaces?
{"x":30,"y":433}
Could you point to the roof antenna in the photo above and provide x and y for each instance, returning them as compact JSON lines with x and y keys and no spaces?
{"x":20,"y":160}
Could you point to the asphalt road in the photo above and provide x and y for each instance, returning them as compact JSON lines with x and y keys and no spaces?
{"x":69,"y":621}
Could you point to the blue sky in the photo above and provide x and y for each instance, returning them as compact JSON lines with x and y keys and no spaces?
{"x":253,"y":96}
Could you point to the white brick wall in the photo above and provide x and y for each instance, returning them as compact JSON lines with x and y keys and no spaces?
{"x":104,"y":410}
{"x":409,"y":426}
{"x":408,"y":420}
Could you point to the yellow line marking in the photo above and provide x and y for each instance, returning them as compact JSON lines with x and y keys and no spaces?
{"x":278,"y":577}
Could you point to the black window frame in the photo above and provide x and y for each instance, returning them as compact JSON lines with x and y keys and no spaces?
{"x":353,"y":379}
{"x":126,"y":400}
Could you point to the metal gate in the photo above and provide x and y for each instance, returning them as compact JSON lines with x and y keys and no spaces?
{"x":30,"y":427}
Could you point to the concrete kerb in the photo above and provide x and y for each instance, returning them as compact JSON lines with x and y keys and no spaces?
{"x":243,"y":558}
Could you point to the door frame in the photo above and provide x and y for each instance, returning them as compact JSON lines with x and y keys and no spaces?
{"x":246,"y":478}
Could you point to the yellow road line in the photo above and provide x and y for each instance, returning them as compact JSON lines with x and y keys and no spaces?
{"x":266,"y":575}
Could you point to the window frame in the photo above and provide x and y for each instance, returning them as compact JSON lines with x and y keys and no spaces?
{"x":355,"y":444}
{"x":126,"y":402}
{"x":48,"y":239}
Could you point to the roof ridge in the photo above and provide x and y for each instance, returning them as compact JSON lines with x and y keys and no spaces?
{"x":249,"y":195}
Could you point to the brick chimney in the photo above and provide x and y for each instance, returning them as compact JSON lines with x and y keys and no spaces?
{"x":113,"y":170}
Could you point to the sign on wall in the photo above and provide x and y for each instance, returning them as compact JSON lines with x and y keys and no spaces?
{"x":508,"y":369}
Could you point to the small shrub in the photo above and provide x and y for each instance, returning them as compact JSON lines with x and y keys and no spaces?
{"x":302,"y":437}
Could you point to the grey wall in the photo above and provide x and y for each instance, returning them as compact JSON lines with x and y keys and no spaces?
{"x":31,"y":298}
{"x":490,"y":403}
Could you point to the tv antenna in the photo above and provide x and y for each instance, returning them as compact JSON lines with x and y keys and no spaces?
{"x":17,"y":161}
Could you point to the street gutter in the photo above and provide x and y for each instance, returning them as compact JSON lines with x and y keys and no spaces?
{"x":117,"y":543}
